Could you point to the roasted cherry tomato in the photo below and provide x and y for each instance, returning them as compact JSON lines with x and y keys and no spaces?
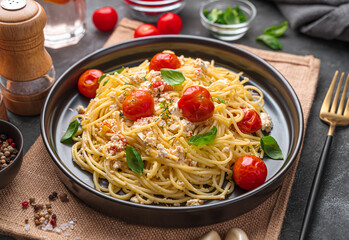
{"x":88,"y":82}
{"x":170,"y":23}
{"x":249,"y":172}
{"x":164,"y":60}
{"x":251,"y":122}
{"x":146,"y":30}
{"x":158,"y":84}
{"x":196,"y":104}
{"x":105,"y":19}
{"x":138,"y":104}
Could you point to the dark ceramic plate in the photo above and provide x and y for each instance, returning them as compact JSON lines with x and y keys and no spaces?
{"x":280,"y":102}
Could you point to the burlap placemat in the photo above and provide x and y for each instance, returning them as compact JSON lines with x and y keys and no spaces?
{"x":37,"y":179}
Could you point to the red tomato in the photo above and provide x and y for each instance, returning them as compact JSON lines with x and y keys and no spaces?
{"x":249,"y":172}
{"x":196,"y":104}
{"x":157,"y":84}
{"x":88,"y":82}
{"x":138,"y":104}
{"x":251,"y":122}
{"x":164,"y":60}
{"x":146,"y":30}
{"x":105,"y":19}
{"x":170,"y":23}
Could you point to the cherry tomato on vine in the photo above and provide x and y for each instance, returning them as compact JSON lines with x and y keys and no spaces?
{"x":88,"y":82}
{"x":158,"y":84}
{"x":164,"y":60}
{"x":196,"y":104}
{"x":170,"y":23}
{"x":105,"y":19}
{"x":249,"y":172}
{"x":137,"y":105}
{"x":146,"y":30}
{"x":251,"y":122}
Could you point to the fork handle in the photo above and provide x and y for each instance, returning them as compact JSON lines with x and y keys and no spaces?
{"x":315,"y":187}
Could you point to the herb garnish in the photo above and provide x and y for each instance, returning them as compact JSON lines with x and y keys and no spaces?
{"x":172,"y":77}
{"x":128,"y":83}
{"x":134,"y":160}
{"x":122,"y":114}
{"x":271,"y":147}
{"x":228,"y":16}
{"x":72,"y":129}
{"x":166,"y":111}
{"x":120,"y":70}
{"x":206,"y":138}
{"x":270,"y":35}
{"x":220,"y":99}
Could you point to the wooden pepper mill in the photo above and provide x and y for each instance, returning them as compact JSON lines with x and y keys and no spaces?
{"x":26,"y":70}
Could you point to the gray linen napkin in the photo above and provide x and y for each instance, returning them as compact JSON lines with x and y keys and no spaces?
{"x":328,"y":19}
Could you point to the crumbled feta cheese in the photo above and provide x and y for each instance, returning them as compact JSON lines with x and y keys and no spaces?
{"x":267,"y":124}
{"x":178,"y":151}
{"x":121,"y":98}
{"x":80,"y":109}
{"x":203,"y":65}
{"x":174,"y":127}
{"x":195,"y":202}
{"x":117,"y":165}
{"x":138,"y":76}
{"x":225,"y":149}
{"x":161,"y":151}
{"x":188,"y":127}
{"x":153,"y":74}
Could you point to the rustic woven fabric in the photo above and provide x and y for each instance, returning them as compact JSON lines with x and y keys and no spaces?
{"x":37,"y":179}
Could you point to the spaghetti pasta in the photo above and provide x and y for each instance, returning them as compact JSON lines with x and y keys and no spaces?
{"x":175,"y":171}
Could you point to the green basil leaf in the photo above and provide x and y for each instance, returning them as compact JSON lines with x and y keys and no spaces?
{"x":120,"y":70}
{"x":172,"y":77}
{"x":134,"y":160}
{"x":220,"y":99}
{"x":276,"y":31}
{"x":213,"y":15}
{"x":240,"y":14}
{"x":106,"y":82}
{"x":122,"y":114}
{"x":128,"y":83}
{"x":270,"y":41}
{"x":230,"y":16}
{"x":271,"y":147}
{"x":72,"y":129}
{"x":205,"y":138}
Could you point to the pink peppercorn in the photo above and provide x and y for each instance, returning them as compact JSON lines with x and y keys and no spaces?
{"x":10,"y":140}
{"x":53,"y":222}
{"x":25,"y":204}
{"x":13,"y":144}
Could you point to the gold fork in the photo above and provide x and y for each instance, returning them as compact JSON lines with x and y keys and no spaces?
{"x":334,"y":117}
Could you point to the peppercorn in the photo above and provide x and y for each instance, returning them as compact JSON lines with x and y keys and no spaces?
{"x":36,"y":207}
{"x":36,"y":216}
{"x":49,"y":211}
{"x":48,"y":205}
{"x":3,"y":137}
{"x":63,"y":197}
{"x":55,"y":194}
{"x":31,"y":200}
{"x":53,"y":222}
{"x":25,"y":204}
{"x":26,"y":220}
{"x":37,"y":222}
{"x":47,"y":216}
{"x":51,"y":197}
{"x":54,"y":216}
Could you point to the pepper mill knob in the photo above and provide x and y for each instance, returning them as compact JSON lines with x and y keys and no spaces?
{"x":22,"y":53}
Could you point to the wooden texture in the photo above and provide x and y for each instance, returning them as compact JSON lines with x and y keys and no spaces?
{"x":23,"y":56}
{"x":3,"y":113}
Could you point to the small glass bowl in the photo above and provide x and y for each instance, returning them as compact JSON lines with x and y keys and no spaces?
{"x":151,"y":11}
{"x":229,"y":32}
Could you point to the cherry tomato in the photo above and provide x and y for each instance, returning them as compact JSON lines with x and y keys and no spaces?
{"x":158,"y":84}
{"x":138,"y":104}
{"x":164,"y":60}
{"x":170,"y":23}
{"x":251,"y":122}
{"x":146,"y":30}
{"x":196,"y":104}
{"x":88,"y":82}
{"x":105,"y":19}
{"x":249,"y":172}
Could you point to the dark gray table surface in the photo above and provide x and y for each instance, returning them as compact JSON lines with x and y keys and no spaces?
{"x":331,"y":214}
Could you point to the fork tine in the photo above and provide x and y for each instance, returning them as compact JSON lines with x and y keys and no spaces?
{"x":326,"y":104}
{"x":344,"y":94}
{"x":335,"y":100}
